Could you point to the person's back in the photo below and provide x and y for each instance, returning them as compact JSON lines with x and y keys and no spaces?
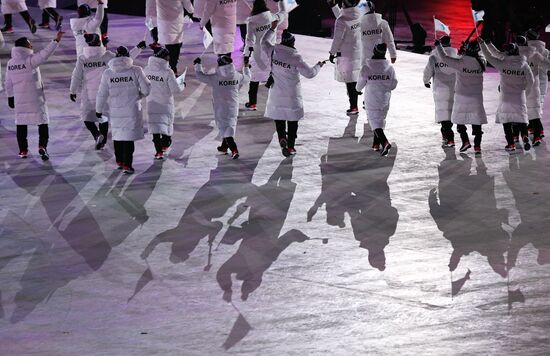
{"x":375,"y":30}
{"x":86,"y":23}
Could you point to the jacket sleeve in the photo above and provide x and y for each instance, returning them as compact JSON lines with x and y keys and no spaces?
{"x":306,"y":70}
{"x":173,"y":84}
{"x":188,"y":5}
{"x":283,"y":11}
{"x":429,"y":71}
{"x":393,"y":79}
{"x":361,"y":81}
{"x":493,"y":58}
{"x":267,"y":40}
{"x":135,"y":52}
{"x":96,"y":21}
{"x":250,"y":36}
{"x":544,"y":63}
{"x":209,"y":10}
{"x":144,"y":83}
{"x":203,"y":77}
{"x":42,"y":56}
{"x":387,"y":36}
{"x":529,"y":77}
{"x":245,"y":77}
{"x":339,"y":34}
{"x":102,"y":93}
{"x":8,"y":85}
{"x":77,"y":78}
{"x":454,"y":63}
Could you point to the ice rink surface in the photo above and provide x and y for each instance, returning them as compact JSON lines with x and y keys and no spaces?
{"x":334,"y":252}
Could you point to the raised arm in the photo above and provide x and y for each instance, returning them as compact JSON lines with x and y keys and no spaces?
{"x":42,"y":56}
{"x":267,"y":42}
{"x":98,"y":18}
{"x":307,"y":71}
{"x":143,"y":82}
{"x":203,"y":77}
{"x":496,"y":59}
{"x":454,"y":63}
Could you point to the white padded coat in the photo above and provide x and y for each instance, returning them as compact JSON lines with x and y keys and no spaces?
{"x":24,"y":83}
{"x":223,"y":16}
{"x":444,"y":80}
{"x":122,"y":87}
{"x":347,"y":41}
{"x":170,"y":20}
{"x":515,"y":78}
{"x":160,"y":102}
{"x":378,"y":78}
{"x":468,"y":106}
{"x":226,"y":84}
{"x":284,"y":101}
{"x":84,"y":25}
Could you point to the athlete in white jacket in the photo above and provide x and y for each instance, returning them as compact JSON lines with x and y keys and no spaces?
{"x":259,"y":23}
{"x":48,"y":10}
{"x":378,"y":78}
{"x":25,"y":92}
{"x":10,"y":7}
{"x":444,"y":80}
{"x":346,"y":48}
{"x":104,"y":27}
{"x":468,"y":106}
{"x":375,"y":30}
{"x":515,"y":78}
{"x":226,"y":84}
{"x":223,"y":16}
{"x":160,"y":102}
{"x":244,"y":7}
{"x":122,"y":87}
{"x":85,"y":84}
{"x":538,"y":64}
{"x":540,"y":46}
{"x":284,"y":101}
{"x":86,"y":23}
{"x":170,"y":15}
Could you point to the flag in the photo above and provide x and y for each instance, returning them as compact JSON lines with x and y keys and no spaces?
{"x":441,"y":27}
{"x":478,"y":15}
{"x":291,"y":5}
{"x":547,"y":28}
{"x":207,"y":38}
{"x":181,"y":79}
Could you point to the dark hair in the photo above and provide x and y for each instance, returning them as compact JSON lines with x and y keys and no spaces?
{"x":21,"y":42}
{"x":258,"y":7}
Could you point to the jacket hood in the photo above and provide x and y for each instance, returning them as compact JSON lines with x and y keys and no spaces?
{"x":226,"y":71}
{"x":373,"y":19}
{"x":120,"y":64}
{"x":91,"y":52}
{"x":538,"y":44}
{"x":21,"y":52}
{"x":350,"y":13}
{"x":377,"y":64}
{"x":157,"y":64}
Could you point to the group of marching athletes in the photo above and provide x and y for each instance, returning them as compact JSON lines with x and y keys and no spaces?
{"x":110,"y":87}
{"x":458,"y":89}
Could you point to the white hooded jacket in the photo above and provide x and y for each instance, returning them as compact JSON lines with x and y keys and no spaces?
{"x":160,"y":102}
{"x":170,"y":17}
{"x":226,"y":84}
{"x":284,"y":101}
{"x":540,"y":46}
{"x":444,"y":80}
{"x":375,"y":30}
{"x":538,"y":64}
{"x":84,"y":25}
{"x":87,"y":77}
{"x":378,"y":76}
{"x":24,"y":82}
{"x":223,"y":16}
{"x":258,"y":25}
{"x":13,"y":6}
{"x":347,"y":41}
{"x":468,"y":106}
{"x":122,"y":87}
{"x":515,"y":78}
